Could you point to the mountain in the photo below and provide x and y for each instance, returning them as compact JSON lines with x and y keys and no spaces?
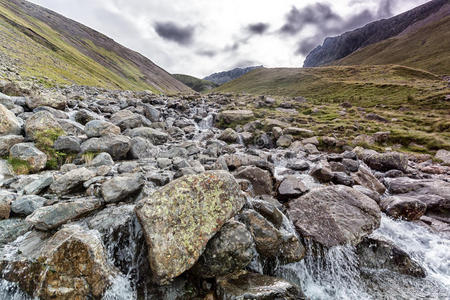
{"x":40,"y":42}
{"x":223,"y":77}
{"x":198,"y":85}
{"x":428,"y":14}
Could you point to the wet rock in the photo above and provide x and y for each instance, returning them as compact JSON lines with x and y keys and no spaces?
{"x":368,"y":192}
{"x":444,"y":156}
{"x":179,"y":219}
{"x":51,"y":217}
{"x":72,"y":264}
{"x":334,"y":215}
{"x":119,"y":188}
{"x":260,"y":179}
{"x":365,"y":178}
{"x":155,"y":136}
{"x":230,"y":250}
{"x":380,"y":254}
{"x":255,"y":286}
{"x":71,"y":181}
{"x":102,"y":159}
{"x":229,"y":136}
{"x":40,"y":122}
{"x":299,"y":165}
{"x":407,"y":208}
{"x":29,"y":153}
{"x":116,"y":145}
{"x":235,"y":116}
{"x":26,"y":205}
{"x":291,"y":187}
{"x":7,"y":141}
{"x":98,"y":128}
{"x":9,"y":124}
{"x":322,"y":172}
{"x":68,"y":144}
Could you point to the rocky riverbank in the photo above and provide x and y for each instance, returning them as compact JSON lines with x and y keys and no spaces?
{"x":119,"y":195}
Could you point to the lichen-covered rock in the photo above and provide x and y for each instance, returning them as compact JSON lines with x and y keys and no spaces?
{"x":9,"y":124}
{"x":401,"y":207}
{"x":179,"y":219}
{"x":40,"y":122}
{"x":334,"y":215}
{"x":35,"y":158}
{"x":255,"y":286}
{"x":72,"y":264}
{"x":68,"y":144}
{"x":119,"y":188}
{"x":444,"y":156}
{"x":47,"y":98}
{"x":230,"y":250}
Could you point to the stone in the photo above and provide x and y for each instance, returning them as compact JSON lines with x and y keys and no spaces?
{"x":230,"y":250}
{"x":334,"y":215}
{"x":291,"y":187}
{"x":285,"y":141}
{"x":72,"y":264}
{"x":126,"y":119}
{"x":35,"y":158}
{"x":365,"y":178}
{"x":235,"y":116}
{"x":11,"y":229}
{"x":56,"y":113}
{"x":368,"y":192}
{"x":40,"y":122}
{"x":142,"y":148}
{"x":401,"y":207}
{"x":260,"y":179}
{"x":444,"y":156}
{"x":68,"y":144}
{"x":5,"y":208}
{"x":350,"y":165}
{"x":98,"y":128}
{"x":119,"y":188}
{"x":26,"y":205}
{"x":299,"y":132}
{"x":116,"y":145}
{"x":51,"y":217}
{"x":229,"y":136}
{"x":311,"y":149}
{"x":47,"y":98}
{"x":7,"y":141}
{"x":9,"y":124}
{"x":312,"y":140}
{"x":244,"y":285}
{"x":322,"y":172}
{"x":71,"y":127}
{"x":37,"y":186}
{"x":298,"y":165}
{"x":151,"y":113}
{"x":386,"y":161}
{"x":342,"y":178}
{"x":179,"y":219}
{"x":380,"y":254}
{"x":71,"y":181}
{"x":102,"y":159}
{"x":156,"y":137}
{"x":84,"y":116}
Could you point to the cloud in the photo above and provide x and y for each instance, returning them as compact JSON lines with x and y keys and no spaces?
{"x":258,"y":28}
{"x":182,"y":35}
{"x":207,"y":53}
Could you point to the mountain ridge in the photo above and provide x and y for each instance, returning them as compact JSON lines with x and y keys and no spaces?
{"x":226,"y":76}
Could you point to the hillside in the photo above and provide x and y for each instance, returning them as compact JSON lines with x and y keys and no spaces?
{"x":198,"y":85}
{"x":338,"y":47}
{"x":426,"y":47}
{"x":226,"y":76}
{"x":56,"y":50}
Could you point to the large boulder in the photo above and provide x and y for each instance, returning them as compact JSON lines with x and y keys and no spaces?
{"x":98,"y":128}
{"x":9,"y":124}
{"x":334,"y":215}
{"x":230,"y":250}
{"x":72,"y":264}
{"x":68,"y":144}
{"x":255,"y":286}
{"x":40,"y":122}
{"x":260,"y":179}
{"x":119,"y":188}
{"x":47,"y":98}
{"x":155,"y":136}
{"x":444,"y":156}
{"x":51,"y":217}
{"x":35,"y":158}
{"x":235,"y":116}
{"x":116,"y":145}
{"x":384,"y":161}
{"x":179,"y":219}
{"x":401,"y":207}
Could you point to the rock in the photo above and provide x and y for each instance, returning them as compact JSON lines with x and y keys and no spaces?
{"x":6,"y":171}
{"x":98,"y":128}
{"x":126,"y":119}
{"x":291,"y":187}
{"x":322,"y":172}
{"x":71,"y":181}
{"x":35,"y":158}
{"x":9,"y":124}
{"x":300,"y":132}
{"x":260,"y":179}
{"x":47,"y":98}
{"x":41,"y":122}
{"x":365,"y":178}
{"x":155,"y":136}
{"x":11,"y":229}
{"x":51,"y":217}
{"x":68,"y":144}
{"x":299,"y":165}
{"x":142,"y":148}
{"x":56,"y":113}
{"x":235,"y":116}
{"x":84,"y":116}
{"x":229,"y":136}
{"x":277,"y":132}
{"x":72,"y":264}
{"x":102,"y":159}
{"x":121,"y":187}
{"x":368,"y":192}
{"x":5,"y":208}
{"x":116,"y":145}
{"x":312,"y":140}
{"x":179,"y":219}
{"x":334,"y":215}
{"x":151,"y":113}
{"x":71,"y":127}
{"x":375,"y":117}
{"x":343,"y":178}
{"x":380,"y":254}
{"x":230,"y":250}
{"x":37,"y":186}
{"x":285,"y":141}
{"x":7,"y":141}
{"x":26,"y":205}
{"x":407,"y":208}
{"x":444,"y":156}
{"x":311,"y":149}
{"x":255,"y":286}
{"x":386,"y":161}
{"x":350,"y":165}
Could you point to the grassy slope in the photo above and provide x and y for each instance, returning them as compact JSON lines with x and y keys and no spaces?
{"x":198,"y":85}
{"x":427,"y":48}
{"x":412,"y":99}
{"x":66,"y":64}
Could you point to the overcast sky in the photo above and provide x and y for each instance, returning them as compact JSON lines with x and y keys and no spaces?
{"x":200,"y":37}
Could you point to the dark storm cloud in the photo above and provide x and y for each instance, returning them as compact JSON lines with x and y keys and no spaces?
{"x":258,"y":28}
{"x":182,"y":35}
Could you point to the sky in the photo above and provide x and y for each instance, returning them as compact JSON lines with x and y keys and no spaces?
{"x":200,"y":37}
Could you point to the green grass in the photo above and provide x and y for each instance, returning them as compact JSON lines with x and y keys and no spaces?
{"x":44,"y":141}
{"x":198,"y":85}
{"x":20,"y":167}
